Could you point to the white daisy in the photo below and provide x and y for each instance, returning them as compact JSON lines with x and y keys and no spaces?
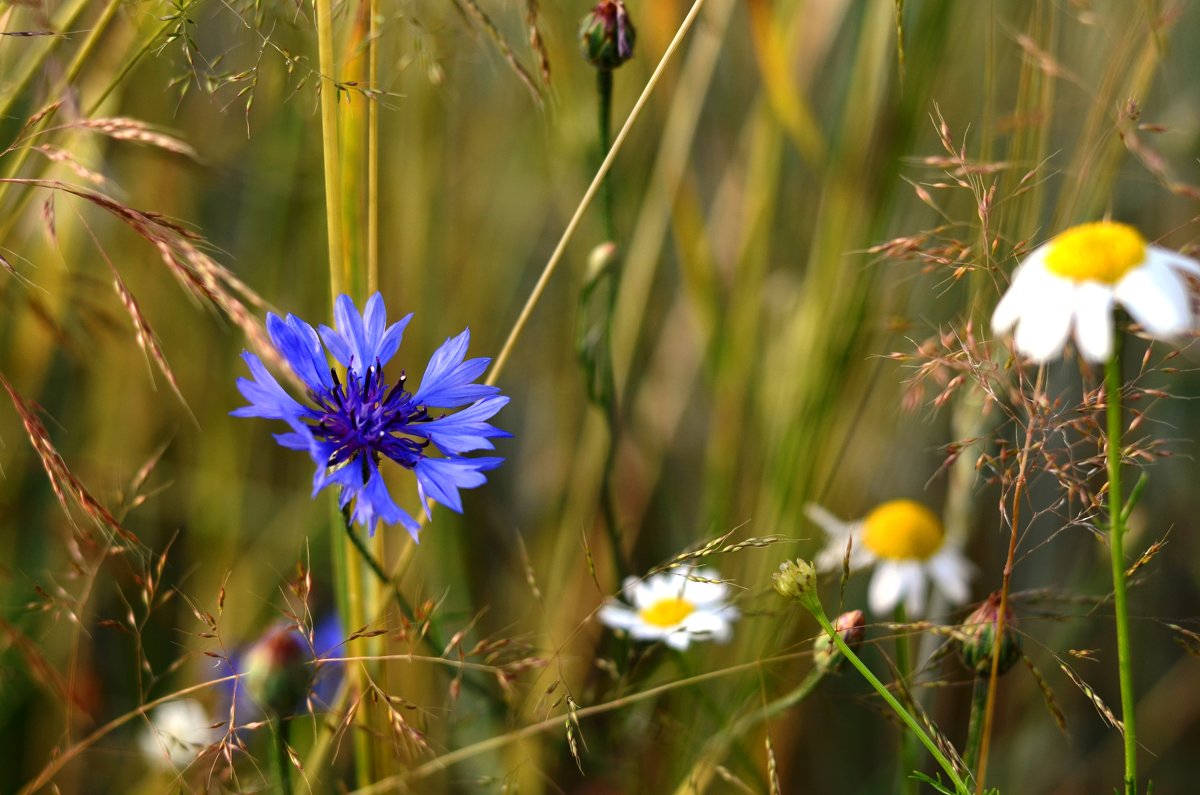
{"x":907,"y":545}
{"x":1072,"y":282}
{"x":178,"y":732}
{"x":674,"y":607}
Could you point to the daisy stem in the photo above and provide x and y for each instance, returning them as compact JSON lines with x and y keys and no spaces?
{"x":959,"y":786}
{"x":908,"y":755}
{"x":1116,"y":519}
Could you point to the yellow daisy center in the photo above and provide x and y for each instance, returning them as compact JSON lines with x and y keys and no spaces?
{"x":902,"y":530}
{"x":667,"y":612}
{"x":1103,"y":252}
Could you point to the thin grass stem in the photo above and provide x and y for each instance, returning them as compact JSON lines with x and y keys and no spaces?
{"x":1006,"y":582}
{"x":589,"y":195}
{"x":908,"y":753}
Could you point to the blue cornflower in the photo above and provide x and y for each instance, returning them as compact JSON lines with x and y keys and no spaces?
{"x":355,"y":420}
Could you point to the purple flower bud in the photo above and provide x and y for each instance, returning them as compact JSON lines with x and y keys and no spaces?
{"x":607,"y":36}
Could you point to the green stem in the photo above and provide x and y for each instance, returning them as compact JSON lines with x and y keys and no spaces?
{"x":604,"y":90}
{"x":908,"y":753}
{"x":1116,"y":518}
{"x":886,"y":695}
{"x":979,"y":692}
{"x":280,"y":759}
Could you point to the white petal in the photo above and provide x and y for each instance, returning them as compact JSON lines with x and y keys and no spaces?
{"x":1045,"y":315}
{"x":834,"y":527}
{"x":705,"y":593}
{"x":617,"y":616}
{"x":678,"y":640}
{"x":708,"y":624}
{"x":1157,"y":298}
{"x":950,"y":573}
{"x":1011,"y":305}
{"x":897,"y":581}
{"x":1093,"y":321}
{"x":1173,"y":259}
{"x":914,"y":601}
{"x":887,"y":587}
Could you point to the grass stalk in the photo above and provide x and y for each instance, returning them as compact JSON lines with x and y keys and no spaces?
{"x":1116,"y":519}
{"x":589,"y":195}
{"x":1006,"y":582}
{"x":908,"y":753}
{"x":329,"y":147}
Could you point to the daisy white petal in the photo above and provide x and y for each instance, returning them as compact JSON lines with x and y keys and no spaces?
{"x":1093,"y":321}
{"x":1046,"y":319}
{"x":1157,"y":298}
{"x":951,"y":573}
{"x":887,"y":586}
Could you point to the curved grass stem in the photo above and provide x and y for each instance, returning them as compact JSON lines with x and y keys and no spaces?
{"x":913,"y":725}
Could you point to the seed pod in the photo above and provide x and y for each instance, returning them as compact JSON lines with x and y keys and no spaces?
{"x":278,"y":671}
{"x":852,"y":627}
{"x":978,"y":634}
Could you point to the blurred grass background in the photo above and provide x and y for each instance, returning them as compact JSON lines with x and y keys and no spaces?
{"x":750,"y":337}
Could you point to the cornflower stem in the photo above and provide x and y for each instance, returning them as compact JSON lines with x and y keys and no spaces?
{"x":989,"y":711}
{"x":914,"y":726}
{"x":281,"y":759}
{"x":1116,"y":519}
{"x":908,"y":753}
{"x":604,"y":91}
{"x":432,"y":637}
{"x":347,"y":572}
{"x":607,"y":398}
{"x":979,"y":691}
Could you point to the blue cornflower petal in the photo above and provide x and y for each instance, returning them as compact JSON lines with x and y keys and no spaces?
{"x":447,"y":379}
{"x":441,"y":478}
{"x":300,"y":345}
{"x":464,"y":431}
{"x":357,"y":419}
{"x":362,"y":340}
{"x":375,"y":504}
{"x":266,"y":396}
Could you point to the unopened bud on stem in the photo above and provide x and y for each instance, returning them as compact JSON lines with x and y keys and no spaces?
{"x":277,"y":671}
{"x":979,"y":637}
{"x":852,"y":627}
{"x":607,"y":36}
{"x":797,"y":579}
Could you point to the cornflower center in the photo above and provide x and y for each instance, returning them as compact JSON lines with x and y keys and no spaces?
{"x":902,"y":530}
{"x":363,"y":416}
{"x":667,"y":612}
{"x":1103,"y":251}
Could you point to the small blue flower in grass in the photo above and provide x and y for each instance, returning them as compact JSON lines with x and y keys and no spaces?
{"x":355,"y":420}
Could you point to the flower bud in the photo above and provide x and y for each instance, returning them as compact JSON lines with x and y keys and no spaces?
{"x":600,"y":261}
{"x":797,"y":579}
{"x":606,"y":35}
{"x":978,"y":634}
{"x":852,"y":627}
{"x":278,"y":671}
